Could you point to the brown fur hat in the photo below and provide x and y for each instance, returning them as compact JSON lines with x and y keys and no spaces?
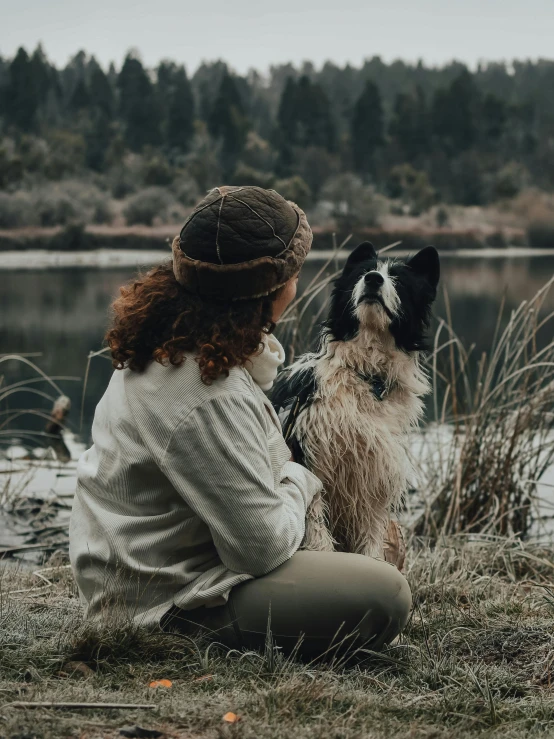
{"x":240,"y":243}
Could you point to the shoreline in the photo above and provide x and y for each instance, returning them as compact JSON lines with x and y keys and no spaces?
{"x":31,"y":259}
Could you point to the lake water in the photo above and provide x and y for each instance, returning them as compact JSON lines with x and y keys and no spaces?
{"x":60,"y":316}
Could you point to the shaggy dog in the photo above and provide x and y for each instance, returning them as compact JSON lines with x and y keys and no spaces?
{"x":350,"y":405}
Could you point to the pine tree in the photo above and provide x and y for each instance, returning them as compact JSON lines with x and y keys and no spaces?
{"x":228,"y":123}
{"x":101,"y":93}
{"x":367,"y":128}
{"x":42,"y":74}
{"x":286,"y":115}
{"x":180,"y":116}
{"x":138,"y":107}
{"x":454,"y":114}
{"x":304,"y":117}
{"x":494,"y":116}
{"x":99,"y":133}
{"x":21,"y":94}
{"x":409,"y":126}
{"x":314,"y":116}
{"x":285,"y":130}
{"x":80,"y":99}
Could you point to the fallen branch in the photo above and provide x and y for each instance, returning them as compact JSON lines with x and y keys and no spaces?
{"x":49,"y":704}
{"x":27,"y":548}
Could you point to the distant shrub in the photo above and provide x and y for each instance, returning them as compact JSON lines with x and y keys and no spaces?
{"x":320,"y":216}
{"x":496,"y":240}
{"x":316,"y":166}
{"x":186,"y":189}
{"x":258,"y":153}
{"x":92,"y":203}
{"x":412,"y":187}
{"x":540,"y":232}
{"x":202,"y":161}
{"x":122,"y":184}
{"x":510,"y":180}
{"x":148,"y":204}
{"x":66,"y":154}
{"x":102,"y":212}
{"x":354,"y":204}
{"x":442,"y":217}
{"x":245,"y":175}
{"x":71,"y":238}
{"x":55,"y":208}
{"x":518,"y":238}
{"x":11,"y":166}
{"x":125,"y":177}
{"x":16,"y":210}
{"x":33,"y":152}
{"x":295,"y":189}
{"x":157,"y":171}
{"x":176,"y":213}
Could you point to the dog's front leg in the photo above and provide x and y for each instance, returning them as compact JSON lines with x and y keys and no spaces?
{"x":370,"y":539}
{"x":317,"y":536}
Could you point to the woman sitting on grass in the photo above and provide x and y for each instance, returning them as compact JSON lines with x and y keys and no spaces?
{"x":190,"y":511}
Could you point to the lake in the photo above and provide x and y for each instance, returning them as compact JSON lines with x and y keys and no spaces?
{"x":59,"y":315}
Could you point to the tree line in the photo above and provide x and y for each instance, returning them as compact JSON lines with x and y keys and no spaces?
{"x":422,"y":134}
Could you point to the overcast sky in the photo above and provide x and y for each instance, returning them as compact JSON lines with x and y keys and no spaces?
{"x":257,"y":33}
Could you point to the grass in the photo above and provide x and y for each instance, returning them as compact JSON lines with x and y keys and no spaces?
{"x":477,"y":659}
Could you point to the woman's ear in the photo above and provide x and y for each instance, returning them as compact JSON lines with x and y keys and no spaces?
{"x":427,"y":263}
{"x":364,"y":252}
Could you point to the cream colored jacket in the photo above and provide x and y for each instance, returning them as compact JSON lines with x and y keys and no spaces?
{"x":186,"y":491}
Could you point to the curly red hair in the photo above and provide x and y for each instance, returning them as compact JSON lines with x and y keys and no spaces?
{"x":155,"y":318}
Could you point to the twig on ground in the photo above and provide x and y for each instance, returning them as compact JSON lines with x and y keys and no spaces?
{"x":49,"y":704}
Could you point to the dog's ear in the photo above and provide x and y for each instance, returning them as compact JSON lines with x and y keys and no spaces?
{"x":364,"y":252}
{"x":426,"y":262}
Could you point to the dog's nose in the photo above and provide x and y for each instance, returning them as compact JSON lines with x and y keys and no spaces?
{"x":374,"y":279}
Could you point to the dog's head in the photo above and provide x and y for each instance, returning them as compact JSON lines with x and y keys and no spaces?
{"x":388,"y":295}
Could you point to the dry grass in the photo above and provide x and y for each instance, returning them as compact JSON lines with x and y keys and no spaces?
{"x":477,"y":659}
{"x":494,"y":426}
{"x":11,"y":413}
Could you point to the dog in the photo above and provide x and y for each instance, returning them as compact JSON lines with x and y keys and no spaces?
{"x":348,"y":407}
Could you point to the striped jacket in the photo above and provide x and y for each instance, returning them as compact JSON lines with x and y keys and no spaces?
{"x":186,"y":491}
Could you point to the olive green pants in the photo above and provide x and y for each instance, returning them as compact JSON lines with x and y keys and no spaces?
{"x":316,"y":603}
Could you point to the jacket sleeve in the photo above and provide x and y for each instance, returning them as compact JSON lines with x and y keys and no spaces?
{"x":218,"y":459}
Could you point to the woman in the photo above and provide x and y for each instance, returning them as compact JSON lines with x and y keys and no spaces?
{"x":189,"y":510}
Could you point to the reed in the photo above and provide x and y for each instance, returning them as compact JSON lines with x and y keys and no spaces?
{"x":492,"y":436}
{"x":11,"y":412}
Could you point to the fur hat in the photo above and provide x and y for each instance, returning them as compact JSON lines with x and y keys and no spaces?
{"x":240,"y":243}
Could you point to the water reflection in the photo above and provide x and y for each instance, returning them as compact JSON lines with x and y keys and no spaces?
{"x":63,"y":314}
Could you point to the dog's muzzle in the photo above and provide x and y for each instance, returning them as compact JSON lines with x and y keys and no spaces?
{"x":374,"y":281}
{"x":372,"y":293}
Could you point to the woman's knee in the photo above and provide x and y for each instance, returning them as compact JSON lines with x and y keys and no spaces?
{"x":380,"y":602}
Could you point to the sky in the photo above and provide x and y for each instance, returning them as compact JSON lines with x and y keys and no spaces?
{"x":257,"y":33}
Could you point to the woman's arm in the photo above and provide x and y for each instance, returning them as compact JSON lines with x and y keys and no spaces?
{"x":219,"y":461}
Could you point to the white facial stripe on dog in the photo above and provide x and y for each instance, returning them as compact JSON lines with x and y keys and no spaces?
{"x":388,"y":290}
{"x":357,"y":292}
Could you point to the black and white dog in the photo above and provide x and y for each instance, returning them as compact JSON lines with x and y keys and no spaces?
{"x":353,"y":402}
